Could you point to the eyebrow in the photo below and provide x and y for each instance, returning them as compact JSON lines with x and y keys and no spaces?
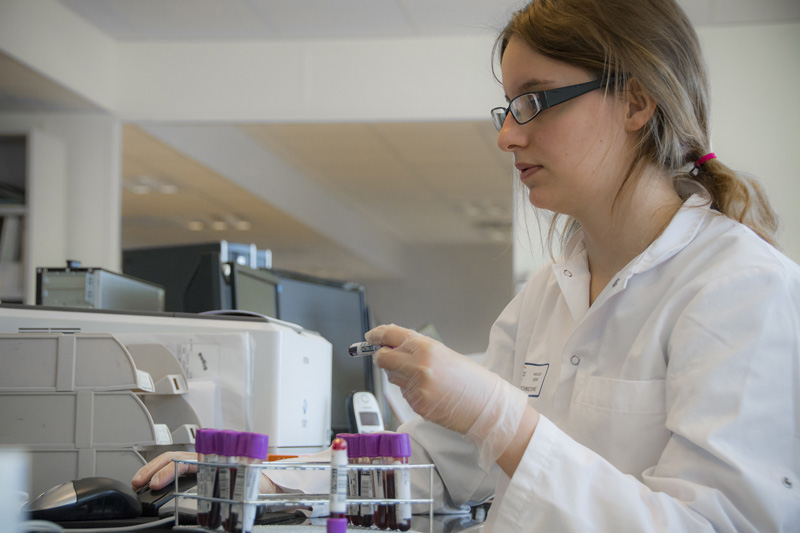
{"x":530,"y":85}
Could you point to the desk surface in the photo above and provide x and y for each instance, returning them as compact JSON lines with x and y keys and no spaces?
{"x":419,"y":523}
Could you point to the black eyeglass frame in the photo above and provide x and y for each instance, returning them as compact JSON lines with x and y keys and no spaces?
{"x":545,"y":100}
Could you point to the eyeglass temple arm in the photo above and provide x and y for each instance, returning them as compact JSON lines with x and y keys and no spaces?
{"x":558,"y":96}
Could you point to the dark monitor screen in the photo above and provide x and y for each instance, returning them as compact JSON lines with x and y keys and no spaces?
{"x":254,"y":290}
{"x":338,"y":312}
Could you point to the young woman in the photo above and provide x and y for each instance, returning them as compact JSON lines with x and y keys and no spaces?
{"x":649,"y":379}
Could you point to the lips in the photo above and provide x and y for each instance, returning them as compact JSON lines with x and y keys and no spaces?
{"x":527,"y":170}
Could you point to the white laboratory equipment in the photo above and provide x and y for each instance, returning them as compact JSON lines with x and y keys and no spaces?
{"x":98,"y":393}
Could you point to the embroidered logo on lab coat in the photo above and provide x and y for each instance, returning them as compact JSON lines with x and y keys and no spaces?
{"x":533,"y":375}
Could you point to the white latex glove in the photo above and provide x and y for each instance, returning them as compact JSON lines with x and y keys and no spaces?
{"x":451,"y":390}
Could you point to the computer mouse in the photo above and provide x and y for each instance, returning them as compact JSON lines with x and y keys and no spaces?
{"x":153,"y":500}
{"x":90,"y":498}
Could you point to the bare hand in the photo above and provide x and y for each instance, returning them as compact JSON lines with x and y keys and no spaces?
{"x":161,"y":471}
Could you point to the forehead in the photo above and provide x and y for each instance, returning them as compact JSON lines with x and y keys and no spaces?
{"x":525,"y":69}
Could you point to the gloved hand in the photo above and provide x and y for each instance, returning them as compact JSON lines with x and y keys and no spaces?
{"x":451,"y":390}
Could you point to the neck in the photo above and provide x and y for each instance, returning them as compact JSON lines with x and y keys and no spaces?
{"x":628,"y":225}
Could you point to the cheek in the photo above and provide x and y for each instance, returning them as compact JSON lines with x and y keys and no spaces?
{"x":563,"y":144}
{"x":583,"y":144}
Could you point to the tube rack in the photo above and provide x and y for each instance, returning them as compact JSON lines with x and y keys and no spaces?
{"x":302,"y":499}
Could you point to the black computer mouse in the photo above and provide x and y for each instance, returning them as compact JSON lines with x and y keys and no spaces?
{"x":91,"y":498}
{"x":154,"y":499}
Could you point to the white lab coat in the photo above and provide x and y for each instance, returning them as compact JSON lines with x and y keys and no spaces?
{"x":671,"y":404}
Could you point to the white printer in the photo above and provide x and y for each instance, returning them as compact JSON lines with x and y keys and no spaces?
{"x":182,"y":371}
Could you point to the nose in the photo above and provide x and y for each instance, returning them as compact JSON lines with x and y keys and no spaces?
{"x":511,"y":136}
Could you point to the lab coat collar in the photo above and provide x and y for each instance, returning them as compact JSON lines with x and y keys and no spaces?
{"x":572,"y":269}
{"x":681,"y":231}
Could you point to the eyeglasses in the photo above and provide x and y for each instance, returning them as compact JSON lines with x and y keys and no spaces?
{"x":525,"y":107}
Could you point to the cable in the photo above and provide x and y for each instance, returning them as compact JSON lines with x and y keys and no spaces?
{"x":43,"y":525}
{"x":40,"y":525}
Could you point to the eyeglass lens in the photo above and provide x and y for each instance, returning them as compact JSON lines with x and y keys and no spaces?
{"x":524,"y":108}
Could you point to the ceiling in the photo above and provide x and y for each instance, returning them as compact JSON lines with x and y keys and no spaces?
{"x":422,"y":183}
{"x":158,"y":20}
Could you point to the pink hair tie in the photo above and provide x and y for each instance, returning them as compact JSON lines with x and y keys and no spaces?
{"x":709,"y":155}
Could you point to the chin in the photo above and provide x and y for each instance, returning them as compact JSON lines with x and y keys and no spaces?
{"x":539,"y":201}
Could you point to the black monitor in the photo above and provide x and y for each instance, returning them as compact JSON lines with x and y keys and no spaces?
{"x":216,"y":285}
{"x":338,"y":312}
{"x":254,"y":290}
{"x":172,"y":267}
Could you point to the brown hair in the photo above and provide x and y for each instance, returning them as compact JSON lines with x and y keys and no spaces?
{"x":653,"y":43}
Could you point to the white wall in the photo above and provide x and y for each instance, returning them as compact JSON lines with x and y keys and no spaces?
{"x":755,"y":119}
{"x":755,"y":124}
{"x":77,"y":194}
{"x":458,"y":289}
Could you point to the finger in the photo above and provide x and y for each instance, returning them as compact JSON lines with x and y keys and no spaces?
{"x":166,"y":475}
{"x":392,"y":360}
{"x":161,"y":470}
{"x":145,"y":473}
{"x":397,"y":378}
{"x":389,"y":335}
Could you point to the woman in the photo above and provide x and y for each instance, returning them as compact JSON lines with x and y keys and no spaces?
{"x":648,"y":379}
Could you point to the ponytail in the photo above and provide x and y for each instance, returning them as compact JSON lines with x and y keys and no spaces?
{"x":737,"y":196}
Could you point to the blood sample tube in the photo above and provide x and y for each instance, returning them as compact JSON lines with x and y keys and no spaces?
{"x":253,"y":448}
{"x":372,"y":443}
{"x":353,"y":456}
{"x":215,"y":515}
{"x":397,"y":483}
{"x":207,"y":481}
{"x":338,"y":496}
{"x":227,"y":474}
{"x":369,"y":450}
{"x":210,"y":488}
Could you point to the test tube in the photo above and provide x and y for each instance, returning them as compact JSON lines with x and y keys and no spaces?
{"x":204,"y":446}
{"x":353,"y":457}
{"x":395,"y":450}
{"x":369,"y":450}
{"x":372,"y":447}
{"x":227,"y":442}
{"x":253,"y":448}
{"x":227,"y":480}
{"x":338,"y":493}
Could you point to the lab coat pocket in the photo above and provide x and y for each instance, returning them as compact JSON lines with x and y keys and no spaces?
{"x":622,"y":420}
{"x":644,"y":397}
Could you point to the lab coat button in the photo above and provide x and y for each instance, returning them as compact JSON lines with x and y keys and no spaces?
{"x":787,"y":483}
{"x":568,"y":273}
{"x":575,"y":360}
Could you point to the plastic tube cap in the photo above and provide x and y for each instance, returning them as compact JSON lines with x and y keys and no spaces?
{"x":253,"y":445}
{"x":231,"y":444}
{"x":336,"y":525}
{"x":200,"y":441}
{"x":205,"y":441}
{"x":370,"y":445}
{"x":220,"y":439}
{"x":395,"y":445}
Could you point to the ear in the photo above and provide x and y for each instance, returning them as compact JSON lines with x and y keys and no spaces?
{"x":640,"y":106}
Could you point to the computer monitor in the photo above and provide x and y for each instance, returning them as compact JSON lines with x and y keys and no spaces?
{"x":216,"y":285}
{"x":337,"y":311}
{"x":254,"y":290}
{"x":172,"y":267}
